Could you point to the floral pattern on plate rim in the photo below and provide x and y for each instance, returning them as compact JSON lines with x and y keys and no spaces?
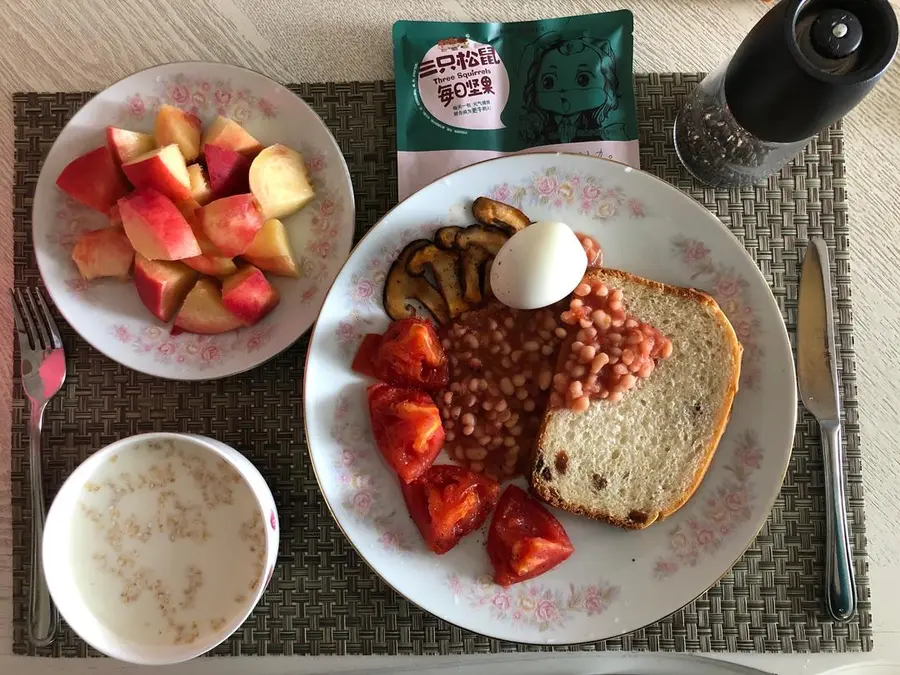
{"x":589,"y":194}
{"x":533,"y":604}
{"x":72,"y":219}
{"x":730,"y":291}
{"x":201,"y":96}
{"x":361,"y":491}
{"x":727,"y":507}
{"x":201,"y":351}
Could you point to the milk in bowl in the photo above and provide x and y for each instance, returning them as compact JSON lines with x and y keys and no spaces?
{"x":166,"y":544}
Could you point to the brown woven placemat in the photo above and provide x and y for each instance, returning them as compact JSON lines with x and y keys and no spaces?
{"x":323,"y":599}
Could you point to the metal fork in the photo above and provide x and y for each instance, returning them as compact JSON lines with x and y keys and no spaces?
{"x":43,"y":374}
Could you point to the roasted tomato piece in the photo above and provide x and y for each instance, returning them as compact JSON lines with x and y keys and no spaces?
{"x":407,"y":428}
{"x":525,"y":540}
{"x":448,"y":502}
{"x":411,"y":355}
{"x":364,"y":362}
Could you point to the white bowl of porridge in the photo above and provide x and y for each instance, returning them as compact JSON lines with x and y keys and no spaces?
{"x":159,"y":546}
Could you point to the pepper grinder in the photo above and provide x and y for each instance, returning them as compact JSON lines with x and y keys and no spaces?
{"x":804,"y":65}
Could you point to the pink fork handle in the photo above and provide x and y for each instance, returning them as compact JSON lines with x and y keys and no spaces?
{"x":42,"y":619}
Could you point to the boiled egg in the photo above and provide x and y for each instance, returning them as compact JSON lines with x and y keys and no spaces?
{"x":538,"y":265}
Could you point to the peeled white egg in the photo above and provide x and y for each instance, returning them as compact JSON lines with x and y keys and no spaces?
{"x":539,"y":265}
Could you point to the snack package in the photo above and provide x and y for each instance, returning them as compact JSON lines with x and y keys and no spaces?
{"x":467,"y":92}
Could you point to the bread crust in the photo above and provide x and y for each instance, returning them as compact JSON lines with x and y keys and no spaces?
{"x":548,"y":494}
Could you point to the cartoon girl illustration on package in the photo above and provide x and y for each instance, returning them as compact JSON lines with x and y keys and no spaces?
{"x":571,"y":90}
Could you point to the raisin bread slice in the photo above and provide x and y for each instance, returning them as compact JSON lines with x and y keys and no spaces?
{"x":639,"y":460}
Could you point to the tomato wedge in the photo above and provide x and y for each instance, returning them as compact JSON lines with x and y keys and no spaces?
{"x":525,"y":540}
{"x":407,"y":428}
{"x":411,"y":355}
{"x":448,"y":502}
{"x":364,"y":362}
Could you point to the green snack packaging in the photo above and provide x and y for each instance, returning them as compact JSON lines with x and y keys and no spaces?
{"x":467,"y":92}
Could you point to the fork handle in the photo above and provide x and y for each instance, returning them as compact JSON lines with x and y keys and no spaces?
{"x":42,"y":619}
{"x":839,"y":577}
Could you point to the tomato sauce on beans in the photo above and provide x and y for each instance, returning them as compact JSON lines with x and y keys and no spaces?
{"x":502,"y":362}
{"x":609,"y":351}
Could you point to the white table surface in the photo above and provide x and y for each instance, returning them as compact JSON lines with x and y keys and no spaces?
{"x":59,"y":45}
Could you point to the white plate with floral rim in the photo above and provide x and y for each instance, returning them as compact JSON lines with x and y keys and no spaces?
{"x":108,"y":313}
{"x":616,"y":581}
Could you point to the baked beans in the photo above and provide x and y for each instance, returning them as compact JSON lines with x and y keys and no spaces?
{"x":493,"y":404}
{"x":609,"y":351}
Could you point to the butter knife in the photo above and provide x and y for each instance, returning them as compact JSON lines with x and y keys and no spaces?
{"x":818,"y":382}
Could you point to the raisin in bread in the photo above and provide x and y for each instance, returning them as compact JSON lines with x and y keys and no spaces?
{"x":639,"y":460}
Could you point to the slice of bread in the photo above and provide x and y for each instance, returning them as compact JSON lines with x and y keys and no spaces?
{"x":639,"y":460}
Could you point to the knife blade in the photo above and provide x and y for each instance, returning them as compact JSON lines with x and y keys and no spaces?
{"x":818,"y":383}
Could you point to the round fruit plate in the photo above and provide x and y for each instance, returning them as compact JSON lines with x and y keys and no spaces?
{"x":108,"y":313}
{"x":616,"y":581}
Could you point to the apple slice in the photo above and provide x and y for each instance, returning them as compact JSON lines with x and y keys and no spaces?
{"x":125,"y":145}
{"x":271,"y":250}
{"x":231,"y":223}
{"x":229,"y":134}
{"x":94,"y":180}
{"x":115,"y":218}
{"x":249,"y":295}
{"x":229,"y":171}
{"x":103,"y":253}
{"x":174,"y":125}
{"x":156,"y":228}
{"x":211,"y":261}
{"x":161,"y":285}
{"x":203,"y":311}
{"x":279,"y":180}
{"x":162,"y":169}
{"x":201,"y":192}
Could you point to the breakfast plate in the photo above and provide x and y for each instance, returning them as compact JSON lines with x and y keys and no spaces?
{"x":616,"y":581}
{"x":108,"y":313}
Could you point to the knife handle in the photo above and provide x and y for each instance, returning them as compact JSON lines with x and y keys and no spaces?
{"x":839,"y":576}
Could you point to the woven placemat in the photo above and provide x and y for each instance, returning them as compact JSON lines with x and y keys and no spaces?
{"x":323,"y":599}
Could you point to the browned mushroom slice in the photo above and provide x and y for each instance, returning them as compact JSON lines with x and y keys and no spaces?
{"x":445,"y":268}
{"x":489,"y":238}
{"x":446,"y":236}
{"x":474,"y":262}
{"x":491,"y":212}
{"x":400,"y":289}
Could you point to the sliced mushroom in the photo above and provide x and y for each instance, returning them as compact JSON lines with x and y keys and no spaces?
{"x":489,"y":238}
{"x":491,"y":212}
{"x":446,"y":236}
{"x":400,"y":289}
{"x":444,"y":266}
{"x":474,"y":262}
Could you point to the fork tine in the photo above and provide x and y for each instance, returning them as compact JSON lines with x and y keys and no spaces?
{"x":51,"y":324}
{"x":41,"y":333}
{"x":19,"y":311}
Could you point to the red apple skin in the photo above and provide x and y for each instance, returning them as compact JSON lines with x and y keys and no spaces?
{"x":229,"y":171}
{"x":94,"y":179}
{"x":174,"y":125}
{"x":211,"y":261}
{"x":103,"y":253}
{"x":115,"y":218}
{"x":156,"y":228}
{"x":203,"y":311}
{"x":249,"y":295}
{"x":164,"y":170}
{"x":231,"y":223}
{"x":125,"y":145}
{"x":162,"y":286}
